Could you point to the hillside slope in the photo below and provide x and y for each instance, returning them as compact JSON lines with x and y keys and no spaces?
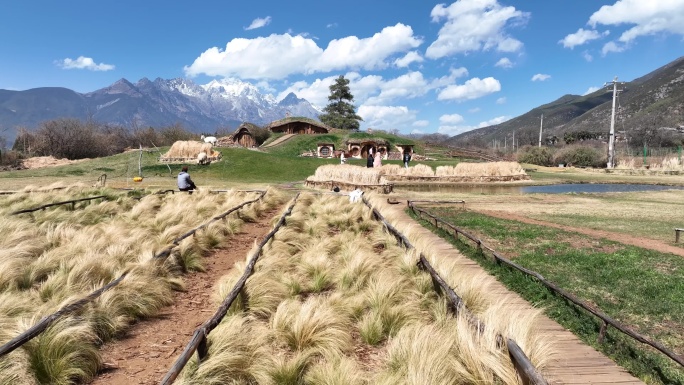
{"x":650,"y":102}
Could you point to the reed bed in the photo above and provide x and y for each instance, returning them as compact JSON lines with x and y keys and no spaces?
{"x":481,"y":169}
{"x":334,"y":300}
{"x":419,"y":170}
{"x":53,"y":257}
{"x":671,"y":163}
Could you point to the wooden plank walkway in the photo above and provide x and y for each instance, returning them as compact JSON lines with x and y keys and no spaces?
{"x":575,"y":363}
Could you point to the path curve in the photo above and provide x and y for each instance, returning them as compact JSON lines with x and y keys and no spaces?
{"x":644,"y":243}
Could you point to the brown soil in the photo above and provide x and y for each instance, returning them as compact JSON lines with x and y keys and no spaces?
{"x":617,"y":237}
{"x":151,"y":346}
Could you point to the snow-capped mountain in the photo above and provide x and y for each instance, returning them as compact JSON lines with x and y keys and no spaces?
{"x":224,"y":103}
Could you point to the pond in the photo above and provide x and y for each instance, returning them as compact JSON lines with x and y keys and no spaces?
{"x":546,"y":189}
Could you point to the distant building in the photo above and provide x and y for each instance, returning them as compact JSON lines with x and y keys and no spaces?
{"x":244,"y":135}
{"x":298,"y":125}
{"x":359,"y":148}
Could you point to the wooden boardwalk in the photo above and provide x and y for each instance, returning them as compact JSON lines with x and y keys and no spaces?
{"x":575,"y":363}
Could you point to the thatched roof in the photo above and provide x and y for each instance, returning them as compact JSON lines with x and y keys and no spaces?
{"x":302,"y":119}
{"x":246,"y":126}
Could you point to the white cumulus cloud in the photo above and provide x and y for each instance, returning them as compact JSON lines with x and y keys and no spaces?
{"x":647,"y":17}
{"x":452,"y":130}
{"x":278,"y":56}
{"x":581,"y":37}
{"x":502,"y":100}
{"x":411,"y":57}
{"x":408,"y":86}
{"x":540,"y":77}
{"x":83,"y":63}
{"x":587,"y":56}
{"x":504,"y":62}
{"x":612,"y":46}
{"x":451,"y":119}
{"x":591,"y":90}
{"x":472,"y":89}
{"x":369,"y":53}
{"x":473,"y":25}
{"x":259,"y":22}
{"x":421,"y":123}
{"x":387,"y":117}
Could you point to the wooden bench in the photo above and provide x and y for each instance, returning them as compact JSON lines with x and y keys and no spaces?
{"x":677,"y":231}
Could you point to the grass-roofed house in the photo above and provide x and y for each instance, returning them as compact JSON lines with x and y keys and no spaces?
{"x":299,"y":125}
{"x":358,"y":148}
{"x":245,"y":135}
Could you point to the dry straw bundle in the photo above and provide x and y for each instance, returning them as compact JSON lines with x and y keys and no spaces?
{"x":189,"y":149}
{"x":481,"y":169}
{"x":419,"y":170}
{"x":348,"y":174}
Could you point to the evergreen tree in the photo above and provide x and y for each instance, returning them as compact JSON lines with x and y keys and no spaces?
{"x":340,"y":112}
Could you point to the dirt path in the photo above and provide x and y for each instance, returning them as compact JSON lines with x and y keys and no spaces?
{"x":152,"y":345}
{"x":617,"y":237}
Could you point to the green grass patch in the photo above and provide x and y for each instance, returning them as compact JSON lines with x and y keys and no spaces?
{"x":643,"y":289}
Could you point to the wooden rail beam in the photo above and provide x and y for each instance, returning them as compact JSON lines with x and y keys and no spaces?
{"x":198,"y":340}
{"x":567,"y":295}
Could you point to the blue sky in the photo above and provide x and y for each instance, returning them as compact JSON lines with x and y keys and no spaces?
{"x":415,"y":66}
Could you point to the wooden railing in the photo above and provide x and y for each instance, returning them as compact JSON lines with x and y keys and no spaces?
{"x":497,"y":258}
{"x":46,"y":321}
{"x":526,"y":370}
{"x":72,"y":202}
{"x":198,"y":342}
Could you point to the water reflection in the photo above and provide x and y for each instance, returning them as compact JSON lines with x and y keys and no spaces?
{"x":548,"y":189}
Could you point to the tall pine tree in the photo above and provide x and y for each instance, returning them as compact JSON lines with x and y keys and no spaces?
{"x":340,"y":112}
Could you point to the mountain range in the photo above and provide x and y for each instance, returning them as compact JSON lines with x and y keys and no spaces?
{"x":224,"y":103}
{"x":646,"y":108}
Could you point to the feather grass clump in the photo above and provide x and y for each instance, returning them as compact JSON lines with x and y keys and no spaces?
{"x":333,"y":304}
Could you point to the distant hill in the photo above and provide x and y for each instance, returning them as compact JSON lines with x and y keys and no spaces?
{"x":199,"y":108}
{"x":654,"y":101}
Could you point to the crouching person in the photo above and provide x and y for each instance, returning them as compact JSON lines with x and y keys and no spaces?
{"x":184,"y":181}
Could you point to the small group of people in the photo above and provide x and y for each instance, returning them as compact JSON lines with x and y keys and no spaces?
{"x":374,"y":161}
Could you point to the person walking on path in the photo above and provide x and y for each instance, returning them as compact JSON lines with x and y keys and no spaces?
{"x":407,"y":158}
{"x":369,"y":162}
{"x":184,"y":181}
{"x":378,"y":159}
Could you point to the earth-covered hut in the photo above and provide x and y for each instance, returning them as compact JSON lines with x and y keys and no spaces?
{"x":298,"y":125}
{"x":359,"y":148}
{"x":244,"y":135}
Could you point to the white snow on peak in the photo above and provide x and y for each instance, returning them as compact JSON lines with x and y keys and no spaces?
{"x":231,"y":88}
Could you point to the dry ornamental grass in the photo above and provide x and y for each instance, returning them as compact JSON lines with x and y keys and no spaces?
{"x":334,"y":300}
{"x":52,"y":257}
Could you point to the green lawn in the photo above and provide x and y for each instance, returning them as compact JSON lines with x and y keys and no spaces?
{"x":641,"y":288}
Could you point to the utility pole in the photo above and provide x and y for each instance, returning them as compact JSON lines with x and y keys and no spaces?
{"x":611,"y":136}
{"x":540,"y":129}
{"x":513,"y":140}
